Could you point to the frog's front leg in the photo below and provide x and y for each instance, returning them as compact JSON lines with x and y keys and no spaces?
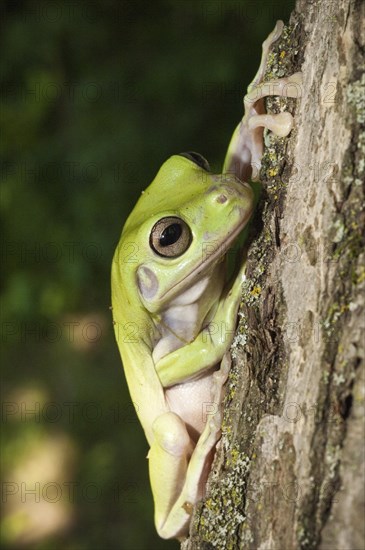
{"x":211,"y":343}
{"x":178,"y":468}
{"x":245,"y":150}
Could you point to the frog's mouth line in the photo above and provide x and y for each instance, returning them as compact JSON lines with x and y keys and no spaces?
{"x":210,"y":260}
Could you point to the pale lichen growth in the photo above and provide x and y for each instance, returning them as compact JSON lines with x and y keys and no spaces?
{"x":355,"y":96}
{"x":333,"y":456}
{"x":223,"y":511}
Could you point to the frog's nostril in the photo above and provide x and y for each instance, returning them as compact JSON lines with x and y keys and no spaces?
{"x":221,"y":199}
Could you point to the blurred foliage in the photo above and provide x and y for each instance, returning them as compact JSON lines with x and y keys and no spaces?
{"x":95,"y":96}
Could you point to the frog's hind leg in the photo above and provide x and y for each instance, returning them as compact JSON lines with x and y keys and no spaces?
{"x":169,"y":458}
{"x":178,"y":470}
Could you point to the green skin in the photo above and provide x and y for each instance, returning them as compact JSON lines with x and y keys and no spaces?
{"x":175,"y":316}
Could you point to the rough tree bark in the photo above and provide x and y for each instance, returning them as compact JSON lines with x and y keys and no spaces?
{"x":289,"y":472}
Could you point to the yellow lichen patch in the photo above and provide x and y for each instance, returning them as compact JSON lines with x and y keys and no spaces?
{"x":256,"y":291}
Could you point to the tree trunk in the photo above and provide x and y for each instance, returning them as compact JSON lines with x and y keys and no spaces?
{"x":289,"y":471}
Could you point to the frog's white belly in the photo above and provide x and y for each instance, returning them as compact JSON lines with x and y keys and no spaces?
{"x":192,"y":401}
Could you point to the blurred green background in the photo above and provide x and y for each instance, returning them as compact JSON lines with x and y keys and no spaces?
{"x":95,"y":96}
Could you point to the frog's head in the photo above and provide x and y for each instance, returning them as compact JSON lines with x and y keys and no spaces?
{"x":181,"y":227}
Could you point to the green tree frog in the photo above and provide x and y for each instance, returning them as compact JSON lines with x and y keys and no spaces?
{"x":174,"y":311}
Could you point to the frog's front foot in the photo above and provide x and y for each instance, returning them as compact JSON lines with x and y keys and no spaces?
{"x":246,"y":148}
{"x":221,"y":375}
{"x":212,"y":430}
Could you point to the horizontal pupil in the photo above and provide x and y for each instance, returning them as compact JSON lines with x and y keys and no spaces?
{"x":170,"y":234}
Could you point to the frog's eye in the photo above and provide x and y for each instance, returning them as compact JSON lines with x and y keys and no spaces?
{"x":198,"y":159}
{"x":170,"y":237}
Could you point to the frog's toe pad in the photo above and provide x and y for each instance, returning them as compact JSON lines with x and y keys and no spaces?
{"x":280,"y":124}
